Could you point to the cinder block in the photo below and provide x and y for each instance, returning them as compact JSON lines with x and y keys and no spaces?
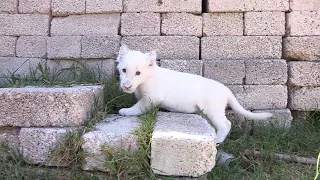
{"x":192,"y":6}
{"x":32,"y":46}
{"x":302,"y":48}
{"x":37,"y":144}
{"x":304,"y":73}
{"x":222,"y":24}
{"x":261,"y":96}
{"x":167,"y":47}
{"x":241,"y":47}
{"x":114,"y":132}
{"x":67,"y":7}
{"x":100,"y":46}
{"x":8,"y":6}
{"x":281,"y":118}
{"x":225,"y":71}
{"x":182,"y":145}
{"x":41,"y":107}
{"x":264,"y":23}
{"x":64,"y":47}
{"x":24,"y":24}
{"x":35,"y":6}
{"x":247,"y":5}
{"x":9,"y":136}
{"x":305,"y":99}
{"x":139,"y":24}
{"x":303,"y":5}
{"x":303,"y":23}
{"x":103,"y":6}
{"x":18,"y":66}
{"x":7,"y":46}
{"x":187,"y":66}
{"x":238,"y":120}
{"x":93,"y":24}
{"x":266,"y":72}
{"x":181,"y":24}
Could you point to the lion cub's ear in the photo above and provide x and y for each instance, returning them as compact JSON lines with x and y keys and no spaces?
{"x":123,"y":51}
{"x":152,"y":57}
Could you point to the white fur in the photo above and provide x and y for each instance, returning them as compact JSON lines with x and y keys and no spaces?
{"x":176,"y":91}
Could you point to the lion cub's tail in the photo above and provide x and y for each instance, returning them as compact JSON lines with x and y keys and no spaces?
{"x":235,"y":105}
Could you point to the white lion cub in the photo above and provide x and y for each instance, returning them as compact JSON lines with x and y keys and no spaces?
{"x":176,"y":91}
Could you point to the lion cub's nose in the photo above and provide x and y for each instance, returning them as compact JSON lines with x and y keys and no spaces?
{"x":127,"y":87}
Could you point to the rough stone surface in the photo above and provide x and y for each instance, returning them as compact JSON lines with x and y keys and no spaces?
{"x":32,"y":46}
{"x":37,"y":144}
{"x":64,"y":47}
{"x":192,"y":6}
{"x":225,"y":71}
{"x":182,"y":145}
{"x":305,"y":99}
{"x":281,"y":118}
{"x":139,"y":24}
{"x":167,"y":47}
{"x":34,"y":6}
{"x":261,"y":96}
{"x":304,"y":73}
{"x":264,"y":23}
{"x":93,"y":24}
{"x":302,"y":48}
{"x":303,"y":23}
{"x":247,"y":5}
{"x":238,"y":120}
{"x":222,"y":24}
{"x":100,"y":46}
{"x":181,"y":24}
{"x":187,"y":66}
{"x":7,"y":46}
{"x":66,"y":7}
{"x":114,"y":132}
{"x":8,"y":6}
{"x":240,"y":47}
{"x":33,"y":24}
{"x":103,"y":6}
{"x":40,"y":107}
{"x":9,"y":136}
{"x":303,"y":5}
{"x":266,"y":72}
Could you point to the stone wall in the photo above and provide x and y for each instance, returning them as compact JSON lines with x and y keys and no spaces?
{"x":267,"y":51}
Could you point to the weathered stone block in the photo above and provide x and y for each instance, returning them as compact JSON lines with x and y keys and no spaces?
{"x":222,"y":24}
{"x":7,"y":46}
{"x":24,"y":24}
{"x":9,"y":136}
{"x":281,"y":118}
{"x":266,"y":72}
{"x":182,"y":145}
{"x":8,"y":6}
{"x":187,"y":66}
{"x":64,"y":47}
{"x":167,"y":47}
{"x":302,"y":48}
{"x":67,"y":7}
{"x":264,"y":23}
{"x":37,"y":144}
{"x":225,"y":71}
{"x":192,"y":6}
{"x":34,"y":6}
{"x":17,"y":66}
{"x":25,"y":107}
{"x":100,"y":46}
{"x":32,"y":46}
{"x":304,"y":73}
{"x":238,"y":120}
{"x":303,"y":5}
{"x":181,"y":24}
{"x":114,"y":132}
{"x":303,"y":23}
{"x":93,"y":24}
{"x":241,"y":47}
{"x":305,"y":99}
{"x":261,"y":96}
{"x":103,"y":6}
{"x":139,"y":24}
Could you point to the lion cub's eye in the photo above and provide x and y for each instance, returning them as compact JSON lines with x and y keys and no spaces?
{"x":124,"y":70}
{"x":138,"y":73}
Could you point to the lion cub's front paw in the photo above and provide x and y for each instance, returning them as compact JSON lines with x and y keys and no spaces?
{"x":127,"y":112}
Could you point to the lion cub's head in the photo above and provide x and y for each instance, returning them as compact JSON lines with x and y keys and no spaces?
{"x":134,"y":68}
